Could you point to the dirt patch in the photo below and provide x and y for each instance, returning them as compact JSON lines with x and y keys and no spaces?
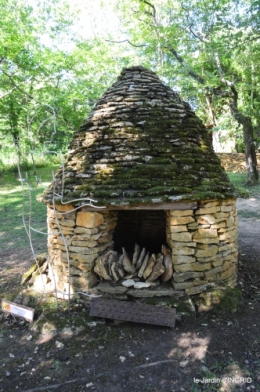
{"x":212,"y":351}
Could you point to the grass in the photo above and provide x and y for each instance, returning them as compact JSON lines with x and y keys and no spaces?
{"x":239,"y":180}
{"x":14,"y":199}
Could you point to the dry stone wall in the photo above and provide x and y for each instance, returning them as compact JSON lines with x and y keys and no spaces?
{"x":204,"y":245}
{"x":80,"y":236}
{"x":202,"y":241}
{"x":235,"y":162}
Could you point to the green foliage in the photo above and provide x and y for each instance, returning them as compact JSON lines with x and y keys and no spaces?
{"x":205,"y":49}
{"x":53,"y":66}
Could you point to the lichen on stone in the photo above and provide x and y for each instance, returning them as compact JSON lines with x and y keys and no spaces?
{"x":141,"y":142}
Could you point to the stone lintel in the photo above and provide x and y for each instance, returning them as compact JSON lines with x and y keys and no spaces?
{"x":152,"y":206}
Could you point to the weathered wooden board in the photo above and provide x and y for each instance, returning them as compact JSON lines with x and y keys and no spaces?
{"x":156,"y":206}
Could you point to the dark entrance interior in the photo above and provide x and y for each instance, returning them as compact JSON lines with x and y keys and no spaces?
{"x":146,"y":228}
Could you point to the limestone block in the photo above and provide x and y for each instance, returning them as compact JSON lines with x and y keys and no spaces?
{"x":185,"y":251}
{"x":84,"y":259}
{"x":67,"y":222}
{"x":69,"y":215}
{"x":192,"y":267}
{"x":230,"y":221}
{"x":90,"y":251}
{"x":86,"y":267}
{"x":226,"y":274}
{"x":81,"y":237}
{"x":192,"y":226}
{"x":181,"y":237}
{"x":210,"y":251}
{"x":54,"y":214}
{"x":231,"y":252}
{"x":64,"y":207}
{"x":62,"y":240}
{"x":84,"y":282}
{"x":182,"y":220}
{"x":74,"y":271}
{"x":213,"y":272}
{"x":197,"y":289}
{"x":174,"y":213}
{"x":227,"y":208}
{"x":200,"y":226}
{"x":60,"y":247}
{"x":176,"y":244}
{"x":182,"y":276}
{"x":206,"y":259}
{"x":67,"y":230}
{"x":104,"y":239}
{"x":207,"y":218}
{"x":210,"y":203}
{"x":111,"y":225}
{"x":87,"y":243}
{"x":185,"y":285}
{"x":228,"y":264}
{"x":232,"y":280}
{"x":51,"y":222}
{"x":217,"y":263}
{"x":178,"y":229}
{"x":206,"y":211}
{"x":221,"y":215}
{"x":84,"y":230}
{"x":205,"y":233}
{"x":231,"y":257}
{"x":89,"y":219}
{"x":180,"y":259}
{"x":226,"y":229}
{"x":224,"y":246}
{"x":229,"y":236}
{"x":219,"y":225}
{"x":207,"y":240}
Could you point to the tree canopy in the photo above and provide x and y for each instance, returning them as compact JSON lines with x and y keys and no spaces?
{"x":56,"y":59}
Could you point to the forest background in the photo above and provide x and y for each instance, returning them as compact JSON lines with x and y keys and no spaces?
{"x":57,"y":58}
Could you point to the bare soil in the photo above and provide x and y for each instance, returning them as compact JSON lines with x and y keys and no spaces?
{"x":66,"y":351}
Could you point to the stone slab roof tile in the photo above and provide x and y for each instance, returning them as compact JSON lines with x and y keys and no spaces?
{"x":140,"y":144}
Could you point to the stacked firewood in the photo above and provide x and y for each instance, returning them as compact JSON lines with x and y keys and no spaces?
{"x":114,"y":267}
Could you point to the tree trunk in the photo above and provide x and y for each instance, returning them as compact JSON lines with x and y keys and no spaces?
{"x":251,"y":161}
{"x":248,"y":135}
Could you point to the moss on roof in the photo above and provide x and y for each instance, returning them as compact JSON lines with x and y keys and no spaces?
{"x":140,"y":144}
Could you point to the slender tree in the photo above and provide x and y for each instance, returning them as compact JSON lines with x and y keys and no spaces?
{"x":200,"y":45}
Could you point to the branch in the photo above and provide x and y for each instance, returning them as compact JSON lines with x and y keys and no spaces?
{"x":8,"y":92}
{"x":221,"y":73}
{"x":127,"y":40}
{"x":152,"y":6}
{"x":16,"y":85}
{"x":33,"y":99}
{"x":185,"y":66}
{"x":176,"y":55}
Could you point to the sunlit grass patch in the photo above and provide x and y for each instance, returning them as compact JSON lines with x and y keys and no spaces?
{"x":15,"y":208}
{"x":239,"y":180}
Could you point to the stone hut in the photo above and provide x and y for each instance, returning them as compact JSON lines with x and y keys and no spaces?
{"x":142,"y":200}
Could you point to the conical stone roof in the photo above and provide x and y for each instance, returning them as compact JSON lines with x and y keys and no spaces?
{"x":140,"y":144}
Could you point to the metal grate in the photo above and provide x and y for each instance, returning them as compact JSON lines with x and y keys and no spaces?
{"x":131,"y":311}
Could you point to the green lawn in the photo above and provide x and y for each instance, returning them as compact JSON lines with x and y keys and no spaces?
{"x":15,"y":204}
{"x":239,"y":179}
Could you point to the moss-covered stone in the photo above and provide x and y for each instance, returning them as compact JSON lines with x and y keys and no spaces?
{"x":142,"y":143}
